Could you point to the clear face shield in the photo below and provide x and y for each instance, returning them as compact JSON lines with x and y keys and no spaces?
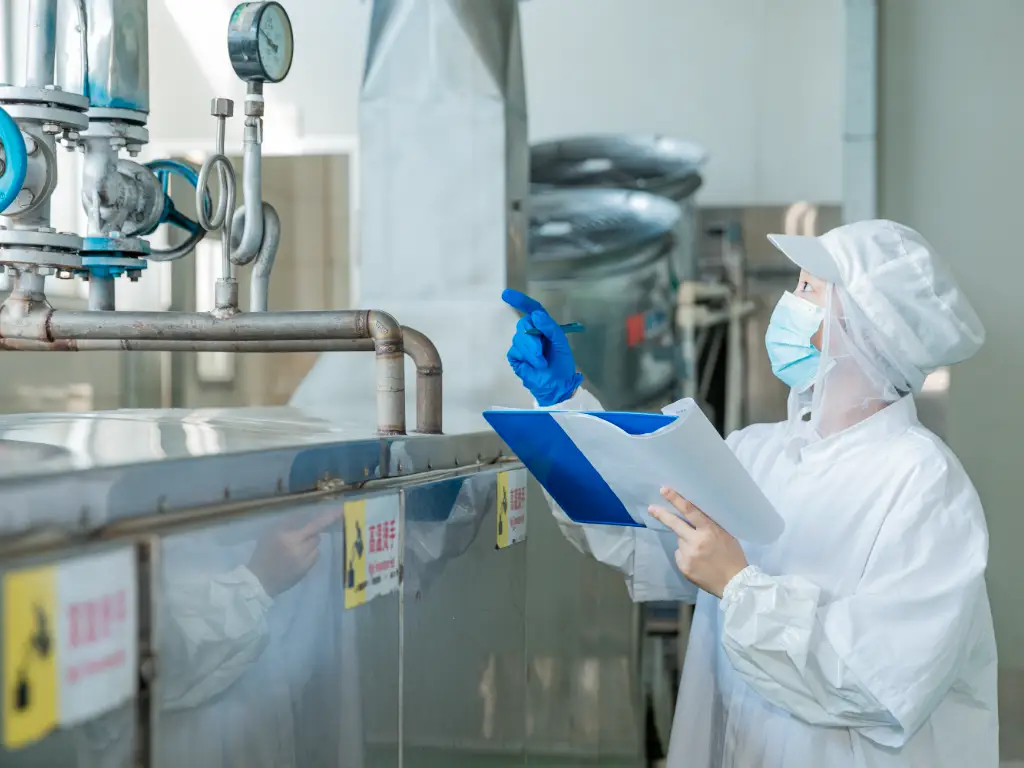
{"x":856,"y":375}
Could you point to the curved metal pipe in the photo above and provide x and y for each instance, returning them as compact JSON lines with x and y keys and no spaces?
{"x":259,"y":280}
{"x":429,"y":406}
{"x":225,"y":202}
{"x":252,"y":202}
{"x":428,"y":380}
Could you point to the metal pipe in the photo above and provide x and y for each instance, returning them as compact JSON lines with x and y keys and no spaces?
{"x":252,"y":199}
{"x":83,"y":37}
{"x":42,"y":43}
{"x":47,"y":325}
{"x":101,"y":293}
{"x":200,"y":326}
{"x":225,"y":200}
{"x":259,"y":280}
{"x":118,"y":54}
{"x":429,"y":406}
{"x":428,"y":380}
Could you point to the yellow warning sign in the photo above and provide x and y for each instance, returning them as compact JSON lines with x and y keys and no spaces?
{"x":503,"y":502}
{"x":30,"y":707}
{"x":511,"y":501}
{"x":355,"y":553}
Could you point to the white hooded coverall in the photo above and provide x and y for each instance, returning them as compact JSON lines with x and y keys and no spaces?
{"x":862,"y":637}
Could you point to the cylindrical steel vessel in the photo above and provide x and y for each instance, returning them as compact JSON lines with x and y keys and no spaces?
{"x":658,"y":164}
{"x":118,"y":54}
{"x":600,"y":257}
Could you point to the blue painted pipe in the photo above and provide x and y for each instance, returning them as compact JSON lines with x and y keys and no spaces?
{"x":13,"y":177}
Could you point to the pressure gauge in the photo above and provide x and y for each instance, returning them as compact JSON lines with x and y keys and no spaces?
{"x":260,"y":42}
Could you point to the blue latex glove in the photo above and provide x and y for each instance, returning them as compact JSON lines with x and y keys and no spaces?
{"x":543,"y":363}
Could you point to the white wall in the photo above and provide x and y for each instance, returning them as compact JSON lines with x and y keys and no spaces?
{"x":952,"y":156}
{"x":756,"y":81}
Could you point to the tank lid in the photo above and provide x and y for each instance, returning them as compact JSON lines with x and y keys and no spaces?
{"x":596,"y":225}
{"x":658,"y":164}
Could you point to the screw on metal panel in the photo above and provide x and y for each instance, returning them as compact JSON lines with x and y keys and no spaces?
{"x":51,"y":129}
{"x":134,"y":274}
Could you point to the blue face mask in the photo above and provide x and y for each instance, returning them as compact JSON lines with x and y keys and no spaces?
{"x":794,"y":359}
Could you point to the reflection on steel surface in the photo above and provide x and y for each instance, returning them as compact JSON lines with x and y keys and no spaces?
{"x":484,"y":654}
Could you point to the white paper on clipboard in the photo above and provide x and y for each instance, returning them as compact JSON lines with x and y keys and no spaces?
{"x":687,"y":455}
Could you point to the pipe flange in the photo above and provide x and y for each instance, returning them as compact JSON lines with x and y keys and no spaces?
{"x":107,"y":248}
{"x":111,"y":264}
{"x":39,"y":238}
{"x":118,"y":115}
{"x":58,"y":117}
{"x":16,"y":94}
{"x":39,"y":257}
{"x":117,"y":131}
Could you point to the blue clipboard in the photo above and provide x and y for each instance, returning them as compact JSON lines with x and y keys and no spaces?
{"x":558,"y":465}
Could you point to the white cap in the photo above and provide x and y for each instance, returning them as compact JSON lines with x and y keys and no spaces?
{"x":901,"y":286}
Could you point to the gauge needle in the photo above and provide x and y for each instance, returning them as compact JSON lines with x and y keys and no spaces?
{"x":271,"y":43}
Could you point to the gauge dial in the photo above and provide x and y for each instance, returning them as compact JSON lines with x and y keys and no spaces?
{"x":260,"y":42}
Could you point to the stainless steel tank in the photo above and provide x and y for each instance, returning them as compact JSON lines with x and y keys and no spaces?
{"x":659,"y":164}
{"x":600,"y":257}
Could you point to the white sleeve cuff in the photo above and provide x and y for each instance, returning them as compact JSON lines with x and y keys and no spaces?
{"x":733,"y":590}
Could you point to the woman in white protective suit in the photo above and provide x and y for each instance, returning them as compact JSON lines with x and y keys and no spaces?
{"x":863,"y":635}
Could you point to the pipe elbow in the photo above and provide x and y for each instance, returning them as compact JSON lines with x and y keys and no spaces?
{"x":422,"y":351}
{"x":383,"y":329}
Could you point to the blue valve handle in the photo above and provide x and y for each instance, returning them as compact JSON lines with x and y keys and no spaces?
{"x":13,"y":177}
{"x":163,"y":170}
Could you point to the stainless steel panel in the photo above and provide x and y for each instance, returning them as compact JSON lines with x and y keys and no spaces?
{"x":108,"y":741}
{"x":463,"y":699}
{"x":582,"y":637}
{"x":249,"y":681}
{"x":477,"y":661}
{"x":135,"y":463}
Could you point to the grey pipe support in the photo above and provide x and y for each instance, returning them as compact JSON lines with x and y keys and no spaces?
{"x":42,"y":43}
{"x":101,"y":294}
{"x":252,"y":201}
